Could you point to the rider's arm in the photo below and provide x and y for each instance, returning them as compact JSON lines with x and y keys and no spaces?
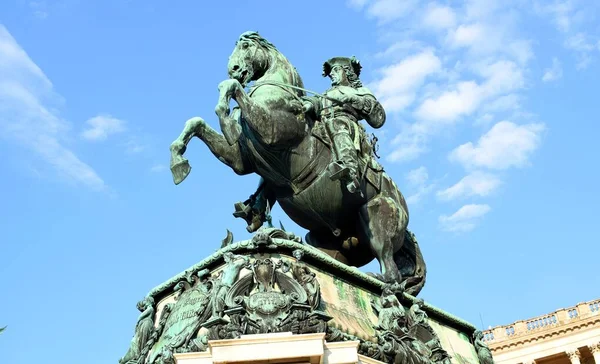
{"x":367,"y":106}
{"x":311,"y":106}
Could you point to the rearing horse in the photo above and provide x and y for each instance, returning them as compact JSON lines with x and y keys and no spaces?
{"x":270,"y":135}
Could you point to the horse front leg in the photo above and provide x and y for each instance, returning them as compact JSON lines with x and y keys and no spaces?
{"x":278,"y":117}
{"x":230,"y":155}
{"x":254,"y":113}
{"x":229,"y":126}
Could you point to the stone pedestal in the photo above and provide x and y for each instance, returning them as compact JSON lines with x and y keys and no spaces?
{"x":273,"y":299}
{"x":574,"y":356}
{"x":277,"y":348}
{"x":595,"y":349}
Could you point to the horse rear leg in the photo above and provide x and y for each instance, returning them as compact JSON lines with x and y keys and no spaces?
{"x":383,"y":222}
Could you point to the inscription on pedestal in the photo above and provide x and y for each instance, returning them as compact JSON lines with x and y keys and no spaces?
{"x":185,"y":318}
{"x":267,"y":302}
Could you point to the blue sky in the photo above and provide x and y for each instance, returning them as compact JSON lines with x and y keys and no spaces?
{"x":491,"y":135}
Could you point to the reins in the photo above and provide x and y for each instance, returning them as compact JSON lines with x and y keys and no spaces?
{"x":283,"y":84}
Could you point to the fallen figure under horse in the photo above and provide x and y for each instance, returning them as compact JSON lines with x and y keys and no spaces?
{"x":313,"y":157}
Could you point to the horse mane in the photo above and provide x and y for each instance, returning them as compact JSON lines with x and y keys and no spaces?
{"x":254,"y":36}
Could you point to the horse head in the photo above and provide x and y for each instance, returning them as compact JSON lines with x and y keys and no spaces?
{"x":255,"y":58}
{"x":250,"y":58}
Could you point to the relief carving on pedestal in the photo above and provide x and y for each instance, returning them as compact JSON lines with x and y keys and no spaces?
{"x":258,"y":290}
{"x":574,"y":355}
{"x":595,"y":348}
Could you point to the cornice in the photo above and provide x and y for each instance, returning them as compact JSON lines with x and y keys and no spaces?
{"x":522,"y":340}
{"x":316,"y":258}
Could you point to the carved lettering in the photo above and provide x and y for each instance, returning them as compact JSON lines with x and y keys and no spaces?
{"x":184,"y":317}
{"x":267,"y":302}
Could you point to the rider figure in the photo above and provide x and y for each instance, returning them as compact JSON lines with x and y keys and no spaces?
{"x":340,"y":109}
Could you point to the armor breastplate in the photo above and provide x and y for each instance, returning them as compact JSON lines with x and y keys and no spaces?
{"x":331,"y":110}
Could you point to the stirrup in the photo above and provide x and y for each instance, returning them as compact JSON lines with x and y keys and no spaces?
{"x":242,"y":210}
{"x":354,"y":187}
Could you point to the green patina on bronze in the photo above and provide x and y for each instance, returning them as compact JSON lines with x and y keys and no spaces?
{"x":360,"y":301}
{"x":318,"y":258}
{"x":273,"y":284}
{"x":483,"y":352}
{"x":314,"y":159}
{"x":141,"y":341}
{"x":185,"y":316}
{"x":341,"y":289}
{"x":313,"y":156}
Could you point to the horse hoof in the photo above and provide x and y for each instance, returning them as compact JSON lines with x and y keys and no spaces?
{"x":180,"y":171}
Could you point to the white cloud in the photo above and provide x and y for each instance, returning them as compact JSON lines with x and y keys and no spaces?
{"x":357,"y":4}
{"x":501,"y":77}
{"x":133,"y":146}
{"x":505,"y":145}
{"x":520,"y":50}
{"x":467,"y":35}
{"x":483,"y":9}
{"x":464,"y":99}
{"x":396,"y":89}
{"x":573,"y":19}
{"x":399,"y":48}
{"x":579,"y":42}
{"x":583,"y":61}
{"x":27,"y":117}
{"x":502,"y":103}
{"x":407,"y":145}
{"x":475,"y":65}
{"x":101,"y":126}
{"x":583,"y":46}
{"x":489,"y":35}
{"x":465,"y":219}
{"x":501,"y":80}
{"x":439,"y":17}
{"x":418,"y":179}
{"x":473,"y":61}
{"x":483,"y":120}
{"x":561,"y":13}
{"x":421,"y":192}
{"x":553,"y":73}
{"x":418,"y":176}
{"x":388,"y":10}
{"x":475,"y":184}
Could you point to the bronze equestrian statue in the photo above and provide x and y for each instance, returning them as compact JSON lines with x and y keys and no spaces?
{"x":313,"y":157}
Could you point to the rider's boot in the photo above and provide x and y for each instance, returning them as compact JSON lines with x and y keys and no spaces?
{"x":346,"y":154}
{"x":247,"y":211}
{"x":254,"y":209}
{"x":254,"y":218}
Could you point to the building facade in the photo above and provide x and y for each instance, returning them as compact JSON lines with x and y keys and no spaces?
{"x":570,"y":335}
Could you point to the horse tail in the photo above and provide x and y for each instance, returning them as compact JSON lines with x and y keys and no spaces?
{"x":411,"y":264}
